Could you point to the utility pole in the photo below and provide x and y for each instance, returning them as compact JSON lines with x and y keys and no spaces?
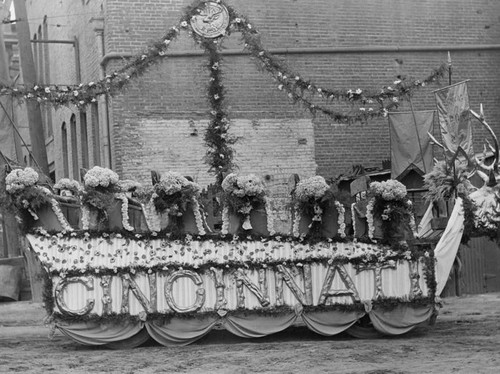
{"x":37,"y":135}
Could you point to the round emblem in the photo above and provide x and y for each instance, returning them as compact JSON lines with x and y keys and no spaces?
{"x":211,"y":21}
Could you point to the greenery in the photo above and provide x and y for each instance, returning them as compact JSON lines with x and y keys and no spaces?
{"x":444,"y":181}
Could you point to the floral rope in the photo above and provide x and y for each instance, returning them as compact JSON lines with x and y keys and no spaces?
{"x":225,"y":220}
{"x":353,"y":218}
{"x":60,"y":216}
{"x":370,"y":218}
{"x":269,"y":216}
{"x":85,"y":217}
{"x":296,"y":221}
{"x":124,"y":210}
{"x":341,"y":218}
{"x":151,"y":215}
{"x":197,"y":216}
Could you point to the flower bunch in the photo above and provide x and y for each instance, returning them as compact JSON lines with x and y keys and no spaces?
{"x":24,"y":193}
{"x":173,"y":192}
{"x":100,"y":186}
{"x":66,"y":184}
{"x":390,"y":190}
{"x":19,"y":179}
{"x":313,"y":188}
{"x":241,"y":186}
{"x":129,"y":185}
{"x":444,"y":180}
{"x":311,"y":197}
{"x":99,"y":177}
{"x":242,"y":194}
{"x":391,"y":208}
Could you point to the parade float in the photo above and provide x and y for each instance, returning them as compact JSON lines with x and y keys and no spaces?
{"x":125,"y":262}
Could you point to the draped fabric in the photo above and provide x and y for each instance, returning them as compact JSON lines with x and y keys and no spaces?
{"x":181,"y":331}
{"x":255,"y":326}
{"x":184,"y":331}
{"x":330,"y":323}
{"x":454,"y":120}
{"x":447,"y":247}
{"x":410,"y":141}
{"x":424,"y":227}
{"x":399,"y":320}
{"x":93,"y":333}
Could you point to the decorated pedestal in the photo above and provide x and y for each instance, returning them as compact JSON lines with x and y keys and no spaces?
{"x":328,"y":227}
{"x":184,"y":224}
{"x":257,"y":218}
{"x":176,"y":291}
{"x":130,"y":218}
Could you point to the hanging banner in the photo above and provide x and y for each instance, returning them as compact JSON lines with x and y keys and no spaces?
{"x":410,"y":143}
{"x":454,"y":120}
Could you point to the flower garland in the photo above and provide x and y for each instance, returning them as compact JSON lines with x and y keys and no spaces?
{"x":88,"y":255}
{"x":151,"y":216}
{"x":85,"y":217}
{"x":225,"y":220}
{"x":353,"y":219}
{"x":341,"y":218}
{"x":296,"y":221}
{"x":270,"y":216}
{"x":60,"y":216}
{"x":370,"y":219}
{"x":197,"y":216}
{"x":124,"y":210}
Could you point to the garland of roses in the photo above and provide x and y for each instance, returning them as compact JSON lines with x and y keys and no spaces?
{"x":220,"y":154}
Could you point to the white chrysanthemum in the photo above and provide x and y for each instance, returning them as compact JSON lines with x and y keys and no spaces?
{"x":98,"y":176}
{"x":67,"y":184}
{"x":172,"y":182}
{"x":240,"y":186}
{"x":389,"y":190}
{"x":314,"y":187}
{"x":19,"y":179}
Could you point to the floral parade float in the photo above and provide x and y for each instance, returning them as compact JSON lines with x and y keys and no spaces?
{"x":126,"y":262}
{"x":112,"y":282}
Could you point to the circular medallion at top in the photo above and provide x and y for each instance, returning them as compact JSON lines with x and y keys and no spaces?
{"x":211,"y":21}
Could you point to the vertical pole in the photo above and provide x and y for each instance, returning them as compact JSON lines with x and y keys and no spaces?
{"x":12,"y":246}
{"x":37,"y":136}
{"x":418,"y":136}
{"x":449,"y":68}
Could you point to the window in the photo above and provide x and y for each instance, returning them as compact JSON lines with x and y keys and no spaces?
{"x":96,"y":140}
{"x":84,"y":141}
{"x":74,"y":148}
{"x":46,"y":73}
{"x":64,"y":138}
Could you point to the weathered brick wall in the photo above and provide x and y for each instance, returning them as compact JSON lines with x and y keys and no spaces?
{"x":174,"y":90}
{"x":319,"y":24}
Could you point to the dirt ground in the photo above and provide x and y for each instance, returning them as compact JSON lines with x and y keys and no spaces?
{"x":465,"y":339}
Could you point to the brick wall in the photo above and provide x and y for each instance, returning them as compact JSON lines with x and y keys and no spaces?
{"x":173,"y":91}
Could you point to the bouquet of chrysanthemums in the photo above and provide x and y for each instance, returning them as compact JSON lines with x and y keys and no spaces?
{"x":390,"y":190}
{"x":99,"y":188}
{"x":391,"y":205}
{"x":23,"y":191}
{"x":311,"y":198}
{"x":173,"y":193}
{"x":242,"y":195}
{"x":68,"y":187}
